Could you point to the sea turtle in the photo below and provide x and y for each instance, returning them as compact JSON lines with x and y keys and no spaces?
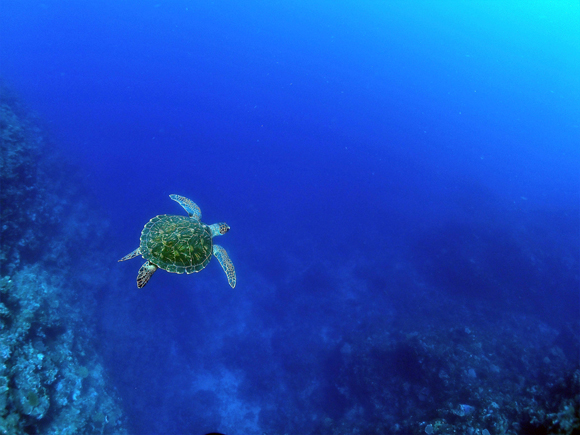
{"x":180,"y":244}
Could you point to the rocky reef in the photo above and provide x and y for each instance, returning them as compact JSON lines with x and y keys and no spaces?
{"x":51,"y":378}
{"x":516,"y":376}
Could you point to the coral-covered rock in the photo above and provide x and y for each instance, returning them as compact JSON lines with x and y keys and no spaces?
{"x":509,"y":377}
{"x":51,"y":379}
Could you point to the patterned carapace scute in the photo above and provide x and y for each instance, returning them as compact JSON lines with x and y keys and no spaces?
{"x":176,"y":244}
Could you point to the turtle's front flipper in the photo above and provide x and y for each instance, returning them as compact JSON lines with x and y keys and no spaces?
{"x":132,"y":254}
{"x":145,"y":273}
{"x":227,"y":265}
{"x":190,"y":207}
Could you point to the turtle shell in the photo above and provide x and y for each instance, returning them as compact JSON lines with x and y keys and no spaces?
{"x":176,"y":244}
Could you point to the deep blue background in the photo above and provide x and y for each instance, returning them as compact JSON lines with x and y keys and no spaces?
{"x":330,"y":136}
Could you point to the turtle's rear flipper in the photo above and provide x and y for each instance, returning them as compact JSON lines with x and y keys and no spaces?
{"x":145,"y":273}
{"x":132,"y":254}
{"x":227,"y":265}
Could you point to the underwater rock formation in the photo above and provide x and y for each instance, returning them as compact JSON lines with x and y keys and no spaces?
{"x":51,"y":379}
{"x":44,"y":210}
{"x":509,"y":378}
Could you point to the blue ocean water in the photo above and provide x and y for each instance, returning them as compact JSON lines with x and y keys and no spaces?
{"x":389,"y":170}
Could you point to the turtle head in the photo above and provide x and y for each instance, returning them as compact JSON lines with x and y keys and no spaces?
{"x":219,"y":229}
